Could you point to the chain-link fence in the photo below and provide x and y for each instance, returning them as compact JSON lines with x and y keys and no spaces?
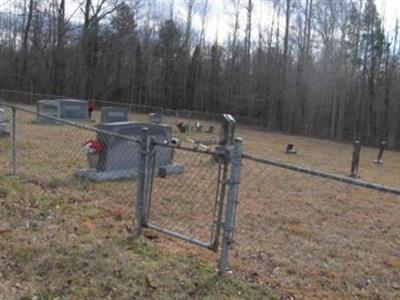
{"x":209,"y":121}
{"x":297,"y":226}
{"x":58,"y":160}
{"x":177,"y":190}
{"x":286,"y":221}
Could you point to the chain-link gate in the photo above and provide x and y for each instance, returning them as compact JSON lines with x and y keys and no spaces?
{"x":188,"y":206}
{"x":195,"y":198}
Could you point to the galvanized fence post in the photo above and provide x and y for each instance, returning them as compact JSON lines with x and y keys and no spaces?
{"x":220,"y":201}
{"x":142,"y":190}
{"x":230,"y":212}
{"x":14,"y":141}
{"x":355,"y":159}
{"x":148,"y":173}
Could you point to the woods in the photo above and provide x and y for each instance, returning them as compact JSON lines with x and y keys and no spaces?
{"x":313,"y":67}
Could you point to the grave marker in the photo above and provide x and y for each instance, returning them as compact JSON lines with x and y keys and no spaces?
{"x":3,"y":130}
{"x":155,"y":118}
{"x":227,"y":133}
{"x":121,"y":158}
{"x":290,"y":149}
{"x":112,"y":114}
{"x":68,"y":109}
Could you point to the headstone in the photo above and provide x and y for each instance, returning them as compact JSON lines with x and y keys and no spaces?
{"x":356,"y":159}
{"x":3,"y":130}
{"x":382,"y":148}
{"x":48,"y":107}
{"x":2,"y":113}
{"x":290,"y":149}
{"x":226,"y":137}
{"x":227,"y":133}
{"x":112,"y":114}
{"x":67,"y":109}
{"x":121,"y":158}
{"x":155,"y":118}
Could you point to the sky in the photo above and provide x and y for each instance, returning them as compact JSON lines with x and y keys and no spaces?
{"x":219,"y":20}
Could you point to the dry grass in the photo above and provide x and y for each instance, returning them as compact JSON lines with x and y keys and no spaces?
{"x":302,"y":237}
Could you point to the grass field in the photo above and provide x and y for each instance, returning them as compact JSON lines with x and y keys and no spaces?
{"x":297,"y":237}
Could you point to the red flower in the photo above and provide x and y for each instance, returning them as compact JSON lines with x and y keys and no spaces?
{"x":94,"y":146}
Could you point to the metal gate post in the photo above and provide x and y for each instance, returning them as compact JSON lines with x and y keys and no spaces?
{"x":144,"y":180}
{"x":230,"y":213}
{"x":14,"y":141}
{"x":220,"y":205}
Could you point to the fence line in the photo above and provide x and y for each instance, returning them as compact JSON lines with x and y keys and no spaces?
{"x":188,"y":206}
{"x":74,"y":124}
{"x":243,"y":121}
{"x":309,"y":171}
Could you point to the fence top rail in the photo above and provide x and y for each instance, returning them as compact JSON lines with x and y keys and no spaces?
{"x":318,"y":173}
{"x":73,"y":124}
{"x":150,"y":107}
{"x":79,"y":98}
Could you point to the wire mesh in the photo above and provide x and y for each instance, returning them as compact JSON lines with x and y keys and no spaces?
{"x":324,"y":155}
{"x":185,"y":203}
{"x":67,"y":163}
{"x":292,"y":226}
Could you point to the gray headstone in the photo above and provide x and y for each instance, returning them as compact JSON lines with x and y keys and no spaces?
{"x":155,"y":118}
{"x":3,"y":130}
{"x":112,"y":114}
{"x":121,"y":158}
{"x":47,"y":107}
{"x":121,"y":154}
{"x":74,"y":109}
{"x":2,"y":113}
{"x":69,"y":109}
{"x":227,"y":133}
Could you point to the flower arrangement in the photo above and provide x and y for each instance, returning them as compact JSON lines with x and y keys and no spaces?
{"x":93,"y":146}
{"x":93,"y":149}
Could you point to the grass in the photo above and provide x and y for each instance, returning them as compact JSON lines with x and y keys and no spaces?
{"x":296,"y":236}
{"x":56,"y":250}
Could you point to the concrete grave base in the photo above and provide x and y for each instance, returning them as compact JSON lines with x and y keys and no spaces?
{"x":95,"y":175}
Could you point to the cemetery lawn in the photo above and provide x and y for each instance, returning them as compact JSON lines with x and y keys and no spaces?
{"x":56,"y":249}
{"x":298,"y":236}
